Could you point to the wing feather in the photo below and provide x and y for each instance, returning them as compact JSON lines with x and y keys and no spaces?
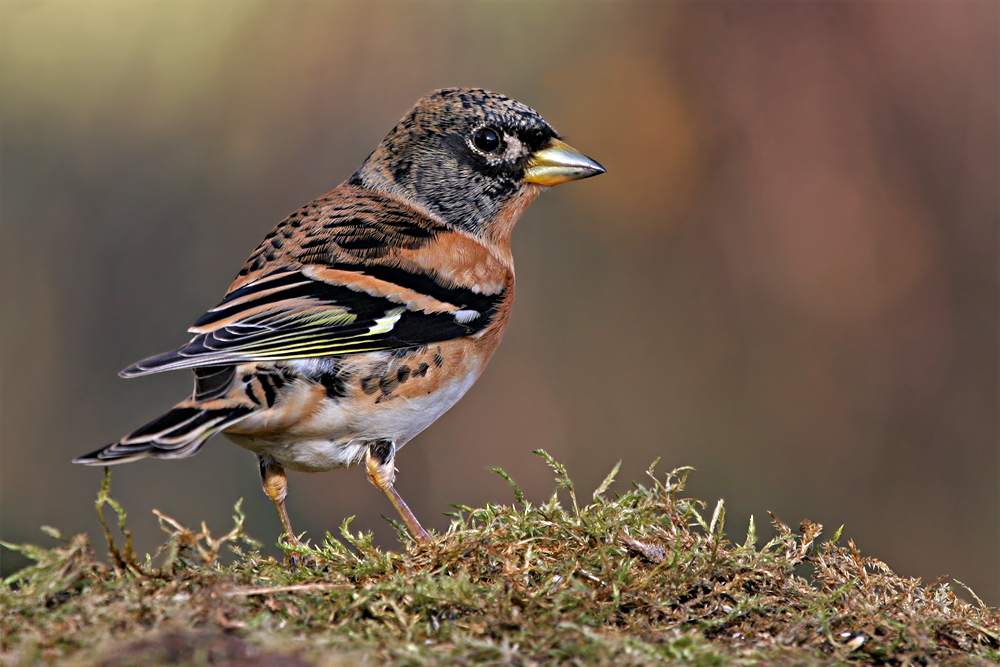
{"x":318,"y":311}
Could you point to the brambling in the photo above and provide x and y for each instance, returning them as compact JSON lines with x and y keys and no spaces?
{"x":366,"y":314}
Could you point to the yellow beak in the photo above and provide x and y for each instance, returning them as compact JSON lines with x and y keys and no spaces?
{"x":559,"y":162}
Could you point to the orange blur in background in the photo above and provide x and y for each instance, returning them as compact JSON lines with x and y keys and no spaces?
{"x":788,"y":278}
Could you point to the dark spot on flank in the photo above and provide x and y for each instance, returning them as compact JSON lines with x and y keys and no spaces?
{"x":246,"y":377}
{"x":438,"y":360}
{"x":277,"y":243}
{"x":369,"y":385}
{"x":421,"y":370}
{"x":269,"y":394}
{"x":335,"y":384}
{"x":387,"y":384}
{"x":403,"y":374}
{"x":277,"y":379}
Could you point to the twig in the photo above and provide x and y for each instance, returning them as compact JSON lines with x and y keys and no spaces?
{"x":288,"y":589}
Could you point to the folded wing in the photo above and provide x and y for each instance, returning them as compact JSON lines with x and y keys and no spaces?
{"x":327,"y":310}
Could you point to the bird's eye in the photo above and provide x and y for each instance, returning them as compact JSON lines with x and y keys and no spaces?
{"x":486,"y":139}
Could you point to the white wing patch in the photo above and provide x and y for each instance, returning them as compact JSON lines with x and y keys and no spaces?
{"x":387,"y":322}
{"x":466,"y":316}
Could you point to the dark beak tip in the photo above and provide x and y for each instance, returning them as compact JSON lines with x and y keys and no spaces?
{"x":593,"y":170}
{"x":594,"y":166}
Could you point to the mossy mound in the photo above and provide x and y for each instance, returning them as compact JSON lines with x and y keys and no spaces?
{"x":643,"y":578}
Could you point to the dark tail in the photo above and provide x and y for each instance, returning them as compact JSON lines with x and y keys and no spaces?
{"x":177,"y":434}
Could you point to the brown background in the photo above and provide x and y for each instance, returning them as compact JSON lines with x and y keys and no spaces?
{"x":787,"y":279}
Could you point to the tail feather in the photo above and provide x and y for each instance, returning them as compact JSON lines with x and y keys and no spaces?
{"x":177,"y":434}
{"x":174,"y":420}
{"x":199,"y":429}
{"x":169,"y":432}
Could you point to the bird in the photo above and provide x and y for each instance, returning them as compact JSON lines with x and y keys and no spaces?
{"x":366,"y":314}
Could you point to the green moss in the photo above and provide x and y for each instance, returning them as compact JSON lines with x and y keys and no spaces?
{"x":644,"y":578}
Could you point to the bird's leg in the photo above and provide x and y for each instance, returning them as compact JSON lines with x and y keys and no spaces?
{"x":275,"y":483}
{"x":379,"y":464}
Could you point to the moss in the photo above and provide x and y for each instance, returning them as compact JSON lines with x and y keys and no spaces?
{"x":642,"y":578}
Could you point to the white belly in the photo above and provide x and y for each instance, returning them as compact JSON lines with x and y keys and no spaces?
{"x":338,"y":434}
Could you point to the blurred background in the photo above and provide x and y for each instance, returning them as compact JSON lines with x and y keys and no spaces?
{"x":788,"y":278}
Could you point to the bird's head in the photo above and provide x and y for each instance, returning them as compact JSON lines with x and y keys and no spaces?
{"x":473,"y":158}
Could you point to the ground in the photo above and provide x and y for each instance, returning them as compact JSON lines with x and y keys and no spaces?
{"x":645,"y":577}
